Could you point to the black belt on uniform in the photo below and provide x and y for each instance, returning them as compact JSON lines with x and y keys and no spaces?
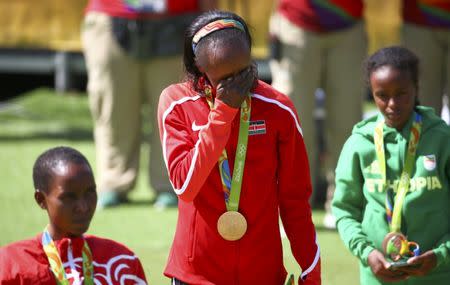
{"x":147,"y":38}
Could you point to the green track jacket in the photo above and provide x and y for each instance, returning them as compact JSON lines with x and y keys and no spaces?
{"x":359,"y":200}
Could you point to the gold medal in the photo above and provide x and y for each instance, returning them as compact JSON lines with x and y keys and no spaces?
{"x":231,"y":225}
{"x":395,"y":245}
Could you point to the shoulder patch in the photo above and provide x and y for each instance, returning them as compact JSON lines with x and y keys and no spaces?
{"x":429,"y":162}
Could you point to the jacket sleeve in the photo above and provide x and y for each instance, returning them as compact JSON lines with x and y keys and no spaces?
{"x":294,"y":190}
{"x":8,"y":267}
{"x":189,"y":163}
{"x":349,"y":202}
{"x":442,"y":250}
{"x":7,"y":279}
{"x":139,"y":271}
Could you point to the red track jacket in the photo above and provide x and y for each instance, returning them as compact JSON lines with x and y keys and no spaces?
{"x":276,"y":182}
{"x":25,"y":262}
{"x":124,"y":9}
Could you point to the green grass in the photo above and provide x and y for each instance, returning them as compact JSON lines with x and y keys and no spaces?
{"x":42,"y":119}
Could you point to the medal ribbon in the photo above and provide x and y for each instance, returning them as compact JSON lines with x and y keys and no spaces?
{"x":394,"y":208}
{"x":56,"y":264}
{"x":232,"y":185}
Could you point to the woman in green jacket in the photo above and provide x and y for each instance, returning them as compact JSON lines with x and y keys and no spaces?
{"x":392,"y":199}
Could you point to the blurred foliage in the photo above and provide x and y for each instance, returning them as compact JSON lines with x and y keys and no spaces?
{"x":37,"y":115}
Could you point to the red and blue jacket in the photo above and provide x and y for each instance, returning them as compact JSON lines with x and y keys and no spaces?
{"x":25,"y":263}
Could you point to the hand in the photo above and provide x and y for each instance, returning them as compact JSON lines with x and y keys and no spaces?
{"x":381,"y":268}
{"x":233,"y":90}
{"x":420,"y":265}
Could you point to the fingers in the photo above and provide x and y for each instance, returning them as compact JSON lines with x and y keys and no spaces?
{"x":393,"y":278}
{"x":386,"y":273}
{"x":417,"y":266}
{"x":382,"y":268}
{"x":421,"y":265}
{"x":416,"y":260}
{"x":241,"y":81}
{"x":426,"y":257}
{"x":417,"y":269}
{"x":390,"y":274}
{"x":377,"y":262}
{"x":234,"y":89}
{"x":414,"y":271}
{"x":249,"y":78}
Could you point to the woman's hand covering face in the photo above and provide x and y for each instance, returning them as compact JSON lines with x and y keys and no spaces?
{"x":234,"y":89}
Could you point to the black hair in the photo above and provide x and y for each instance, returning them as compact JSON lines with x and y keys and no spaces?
{"x":398,"y":57}
{"x":46,"y":162}
{"x":193,"y":74}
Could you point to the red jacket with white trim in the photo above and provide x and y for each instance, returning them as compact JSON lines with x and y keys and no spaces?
{"x":25,"y":263}
{"x":138,"y":9}
{"x":276,"y":182}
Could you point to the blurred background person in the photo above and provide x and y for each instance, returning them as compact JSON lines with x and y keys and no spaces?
{"x":426,"y":31}
{"x":132,"y":50}
{"x":320,"y":44}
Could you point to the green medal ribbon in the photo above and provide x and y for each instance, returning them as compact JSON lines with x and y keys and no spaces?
{"x":232,"y":186}
{"x":290,"y":280}
{"x":394,"y":208}
{"x":56,"y":264}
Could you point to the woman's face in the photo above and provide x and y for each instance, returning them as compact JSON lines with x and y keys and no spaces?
{"x":394,"y":93}
{"x":70,"y":200}
{"x":219,"y":62}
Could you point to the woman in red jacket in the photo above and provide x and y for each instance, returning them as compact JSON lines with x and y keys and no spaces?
{"x":236,"y":159}
{"x":63,"y":253}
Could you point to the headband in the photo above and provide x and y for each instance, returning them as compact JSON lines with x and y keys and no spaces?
{"x":215,"y":26}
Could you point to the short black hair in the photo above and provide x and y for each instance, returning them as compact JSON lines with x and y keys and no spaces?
{"x":193,"y":74}
{"x":47,"y":161}
{"x":398,"y":57}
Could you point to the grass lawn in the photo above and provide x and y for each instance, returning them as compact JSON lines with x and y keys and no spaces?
{"x":42,"y":119}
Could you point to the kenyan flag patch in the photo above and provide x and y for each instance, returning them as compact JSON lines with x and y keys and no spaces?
{"x":257,"y":128}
